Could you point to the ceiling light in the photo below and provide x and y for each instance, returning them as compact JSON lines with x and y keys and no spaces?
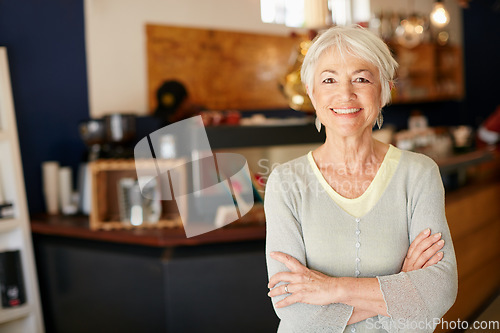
{"x":439,"y":15}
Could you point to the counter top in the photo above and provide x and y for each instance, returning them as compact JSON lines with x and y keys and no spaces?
{"x":78,"y":227}
{"x":458,"y":161}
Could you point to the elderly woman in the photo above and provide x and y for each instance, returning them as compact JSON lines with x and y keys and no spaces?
{"x":357,"y":238}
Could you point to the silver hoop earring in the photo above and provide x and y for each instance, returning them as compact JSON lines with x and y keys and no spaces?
{"x":380,"y":119}
{"x":317,"y":122}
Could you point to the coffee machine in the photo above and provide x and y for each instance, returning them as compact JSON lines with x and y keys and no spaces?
{"x":109,"y":137}
{"x":112,"y":136}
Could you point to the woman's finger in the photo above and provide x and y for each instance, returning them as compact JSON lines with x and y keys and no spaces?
{"x":424,"y":245}
{"x":434,"y":260}
{"x":421,"y":250}
{"x":280,"y":277}
{"x":306,"y":293}
{"x":280,"y":290}
{"x":289,"y":277}
{"x":429,"y":253}
{"x":421,"y":236}
{"x":289,"y":300}
{"x":290,"y":262}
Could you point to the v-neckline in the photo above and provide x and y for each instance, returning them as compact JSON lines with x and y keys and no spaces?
{"x":332,"y":193}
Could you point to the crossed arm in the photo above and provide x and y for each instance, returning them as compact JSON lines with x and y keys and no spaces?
{"x":308,"y":286}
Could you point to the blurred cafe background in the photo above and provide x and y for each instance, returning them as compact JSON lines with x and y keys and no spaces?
{"x":83,"y":81}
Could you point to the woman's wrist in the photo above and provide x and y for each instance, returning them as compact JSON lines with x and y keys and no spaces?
{"x":360,"y":293}
{"x":340,"y":290}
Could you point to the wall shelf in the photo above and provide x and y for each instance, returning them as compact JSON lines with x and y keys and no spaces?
{"x":262,"y":136}
{"x":3,"y":135}
{"x":15,"y":233}
{"x":8,"y":224}
{"x":7,"y":315}
{"x":428,"y":73}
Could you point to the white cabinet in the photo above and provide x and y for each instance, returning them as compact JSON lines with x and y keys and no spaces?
{"x":15,"y":228}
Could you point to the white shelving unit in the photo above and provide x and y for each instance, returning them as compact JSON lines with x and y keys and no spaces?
{"x":15,"y":231}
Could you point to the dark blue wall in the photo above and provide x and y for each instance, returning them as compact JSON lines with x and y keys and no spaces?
{"x":482,"y":57}
{"x":482,"y":68}
{"x":46,"y":49}
{"x":46,"y":46}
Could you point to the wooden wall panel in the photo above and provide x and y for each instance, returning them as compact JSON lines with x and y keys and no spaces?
{"x":478,"y":249}
{"x":221,"y":69}
{"x":472,"y":209}
{"x":473,"y":292}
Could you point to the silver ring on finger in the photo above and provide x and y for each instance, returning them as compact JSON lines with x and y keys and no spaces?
{"x":286,"y":289}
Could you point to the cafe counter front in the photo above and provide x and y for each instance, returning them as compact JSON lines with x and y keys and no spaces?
{"x":151,"y":280}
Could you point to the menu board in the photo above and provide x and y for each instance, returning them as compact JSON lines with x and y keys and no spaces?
{"x":221,"y":69}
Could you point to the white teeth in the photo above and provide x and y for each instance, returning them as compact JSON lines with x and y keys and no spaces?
{"x":346,"y":111}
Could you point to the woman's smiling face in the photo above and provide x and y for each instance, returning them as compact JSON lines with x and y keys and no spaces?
{"x":346,"y":93}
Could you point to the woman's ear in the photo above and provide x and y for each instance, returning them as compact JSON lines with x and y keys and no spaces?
{"x":309,"y":93}
{"x":391,"y":86}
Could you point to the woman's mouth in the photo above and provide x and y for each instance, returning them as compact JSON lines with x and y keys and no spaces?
{"x":346,"y":111}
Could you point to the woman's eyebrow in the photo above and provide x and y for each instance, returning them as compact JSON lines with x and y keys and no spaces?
{"x":361,"y":71}
{"x":331,"y":71}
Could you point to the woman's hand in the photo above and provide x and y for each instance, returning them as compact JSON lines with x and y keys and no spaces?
{"x":423,"y":251}
{"x":305,"y":285}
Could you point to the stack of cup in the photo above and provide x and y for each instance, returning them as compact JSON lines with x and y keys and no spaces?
{"x":50,"y":173}
{"x":58,"y":188}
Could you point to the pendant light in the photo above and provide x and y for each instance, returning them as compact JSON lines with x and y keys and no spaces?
{"x":439,"y":15}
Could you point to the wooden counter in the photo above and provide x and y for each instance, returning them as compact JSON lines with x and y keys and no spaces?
{"x":473,"y":214}
{"x":78,"y":227}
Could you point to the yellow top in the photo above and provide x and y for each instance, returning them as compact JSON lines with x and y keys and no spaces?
{"x":361,"y":205}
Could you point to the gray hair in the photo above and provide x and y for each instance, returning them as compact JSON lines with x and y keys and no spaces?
{"x":356,"y":41}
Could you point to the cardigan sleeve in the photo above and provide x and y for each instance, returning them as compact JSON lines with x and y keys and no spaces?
{"x":418,"y":299}
{"x":284,"y":234}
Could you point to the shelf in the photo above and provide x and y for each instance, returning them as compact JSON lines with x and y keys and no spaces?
{"x":10,"y":314}
{"x":4,"y":135}
{"x":15,"y":231}
{"x":427,"y":65}
{"x":8,"y":224}
{"x":258,"y":136}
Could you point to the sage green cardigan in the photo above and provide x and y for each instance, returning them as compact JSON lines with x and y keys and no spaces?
{"x":304,"y":221}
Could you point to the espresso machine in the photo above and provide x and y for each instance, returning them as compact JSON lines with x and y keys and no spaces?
{"x":112,"y":136}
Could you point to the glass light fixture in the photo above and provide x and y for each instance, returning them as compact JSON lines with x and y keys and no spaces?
{"x":439,"y":15}
{"x":314,"y":14}
{"x":410,"y":31}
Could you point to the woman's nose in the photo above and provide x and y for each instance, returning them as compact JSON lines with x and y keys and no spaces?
{"x":346,"y":91}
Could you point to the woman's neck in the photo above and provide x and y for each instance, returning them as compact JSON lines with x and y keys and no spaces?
{"x":354,"y":154}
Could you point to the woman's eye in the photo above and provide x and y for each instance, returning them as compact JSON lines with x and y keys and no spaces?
{"x":328,"y":80}
{"x":361,"y":80}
